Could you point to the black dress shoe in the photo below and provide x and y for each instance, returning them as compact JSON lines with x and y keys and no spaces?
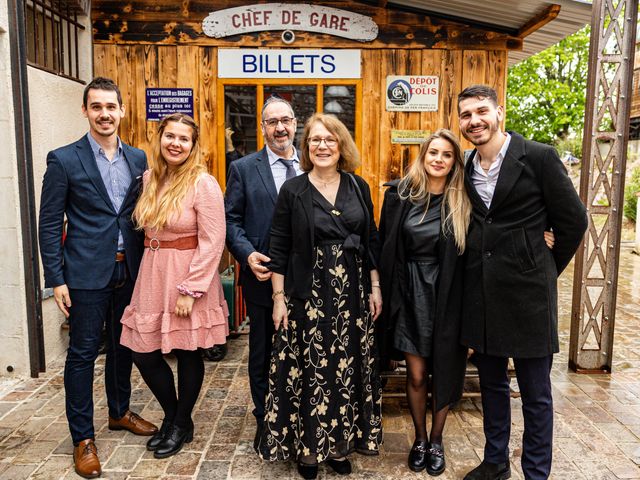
{"x":173,"y":441}
{"x":435,"y":459}
{"x":309,"y":472}
{"x":341,"y":467}
{"x":418,"y":455}
{"x":154,"y":441}
{"x":215,"y":353}
{"x":490,"y":471}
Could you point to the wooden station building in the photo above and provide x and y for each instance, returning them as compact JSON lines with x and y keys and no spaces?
{"x":390,"y":71}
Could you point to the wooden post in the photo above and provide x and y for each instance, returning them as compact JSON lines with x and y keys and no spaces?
{"x":606,"y":131}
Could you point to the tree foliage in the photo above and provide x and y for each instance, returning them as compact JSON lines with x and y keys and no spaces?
{"x":546,"y":93}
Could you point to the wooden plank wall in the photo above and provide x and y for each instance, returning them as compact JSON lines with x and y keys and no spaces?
{"x":137,"y":67}
{"x":384,"y":161}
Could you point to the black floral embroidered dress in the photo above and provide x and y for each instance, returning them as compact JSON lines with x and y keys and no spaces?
{"x":324,"y":396}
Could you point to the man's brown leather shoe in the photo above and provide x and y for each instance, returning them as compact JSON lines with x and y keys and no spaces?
{"x":85,"y":459}
{"x":134,"y":423}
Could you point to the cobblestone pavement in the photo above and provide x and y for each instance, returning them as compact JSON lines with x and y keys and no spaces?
{"x":597,"y":427}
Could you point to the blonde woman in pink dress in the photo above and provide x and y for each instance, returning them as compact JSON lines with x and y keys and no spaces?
{"x":178,"y":304}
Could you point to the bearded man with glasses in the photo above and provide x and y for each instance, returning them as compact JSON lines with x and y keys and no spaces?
{"x":252,"y":188}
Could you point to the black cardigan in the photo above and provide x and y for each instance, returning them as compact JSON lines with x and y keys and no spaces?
{"x":292,"y":233}
{"x":449,"y":356}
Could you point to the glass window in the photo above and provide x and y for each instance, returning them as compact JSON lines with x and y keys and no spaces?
{"x":240,"y":122}
{"x":52,"y":37}
{"x":340,"y":100}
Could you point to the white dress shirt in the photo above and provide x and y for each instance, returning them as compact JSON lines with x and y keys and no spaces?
{"x":279,"y":170}
{"x":485,"y":182}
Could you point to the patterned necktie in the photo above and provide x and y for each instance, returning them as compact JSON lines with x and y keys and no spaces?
{"x":291,"y":172}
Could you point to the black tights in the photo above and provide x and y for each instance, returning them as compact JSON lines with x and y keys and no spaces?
{"x":157,"y":373}
{"x":417,"y":376}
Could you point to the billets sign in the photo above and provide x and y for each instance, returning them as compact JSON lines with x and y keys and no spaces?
{"x":289,"y":16}
{"x":164,"y":101}
{"x":288,"y":63}
{"x":412,"y":93}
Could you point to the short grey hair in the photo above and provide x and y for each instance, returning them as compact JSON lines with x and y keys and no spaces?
{"x":275,"y":99}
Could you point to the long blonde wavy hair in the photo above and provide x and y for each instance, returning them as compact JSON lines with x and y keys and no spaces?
{"x":456,"y":207}
{"x":152,"y":211}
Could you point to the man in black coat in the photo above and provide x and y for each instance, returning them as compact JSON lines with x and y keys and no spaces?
{"x":252,"y":188}
{"x":518,"y":189}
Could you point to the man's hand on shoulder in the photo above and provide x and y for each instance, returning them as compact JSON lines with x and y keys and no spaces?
{"x":63,"y":300}
{"x":255,"y":262}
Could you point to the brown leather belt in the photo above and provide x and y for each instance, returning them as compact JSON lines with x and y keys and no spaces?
{"x":119,"y":256}
{"x":184,"y":243}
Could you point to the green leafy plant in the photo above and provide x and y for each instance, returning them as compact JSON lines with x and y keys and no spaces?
{"x":630,"y":199}
{"x":546,"y":92}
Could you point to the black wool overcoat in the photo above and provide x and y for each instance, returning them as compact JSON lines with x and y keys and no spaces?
{"x":510,"y":283}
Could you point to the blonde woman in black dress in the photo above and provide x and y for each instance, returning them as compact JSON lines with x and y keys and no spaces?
{"x":423,"y":227}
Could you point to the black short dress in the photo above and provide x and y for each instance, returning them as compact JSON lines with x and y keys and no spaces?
{"x":421,"y":233}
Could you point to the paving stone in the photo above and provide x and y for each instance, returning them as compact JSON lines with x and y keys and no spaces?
{"x":184,"y":464}
{"x":124,"y":458}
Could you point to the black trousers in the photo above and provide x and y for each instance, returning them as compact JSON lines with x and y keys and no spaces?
{"x":260,"y":341}
{"x":534,"y":381}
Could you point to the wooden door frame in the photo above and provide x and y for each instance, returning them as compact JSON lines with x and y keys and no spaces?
{"x":259,"y":83}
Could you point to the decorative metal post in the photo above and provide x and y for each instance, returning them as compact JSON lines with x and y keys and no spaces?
{"x":604,"y":155}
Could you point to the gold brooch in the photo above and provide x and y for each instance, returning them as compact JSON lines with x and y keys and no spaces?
{"x":336,"y":212}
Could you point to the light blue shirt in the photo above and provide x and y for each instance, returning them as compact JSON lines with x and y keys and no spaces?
{"x":115,"y":174}
{"x":485,"y":182}
{"x":278,"y":169}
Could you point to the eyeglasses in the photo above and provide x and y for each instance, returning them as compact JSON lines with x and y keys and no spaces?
{"x":330,"y":142}
{"x":273,"y":122}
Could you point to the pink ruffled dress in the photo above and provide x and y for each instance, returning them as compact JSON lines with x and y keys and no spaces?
{"x":149,"y":322}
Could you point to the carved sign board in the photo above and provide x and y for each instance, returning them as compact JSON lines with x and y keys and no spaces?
{"x":289,"y":16}
{"x":288,"y":63}
{"x":412,"y":93}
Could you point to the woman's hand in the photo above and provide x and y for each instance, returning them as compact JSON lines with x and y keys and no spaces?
{"x":184,"y":305}
{"x":375,"y":302}
{"x":549,"y":239}
{"x":280,"y":313}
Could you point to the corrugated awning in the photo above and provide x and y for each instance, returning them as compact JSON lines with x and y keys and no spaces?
{"x":508,"y":17}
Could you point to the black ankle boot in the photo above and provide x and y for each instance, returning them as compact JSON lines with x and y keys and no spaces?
{"x":308,"y":472}
{"x":418,"y":455}
{"x":435,"y":459}
{"x":173,"y":441}
{"x":341,"y":467}
{"x":154,"y":441}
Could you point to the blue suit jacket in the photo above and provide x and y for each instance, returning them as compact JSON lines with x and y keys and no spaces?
{"x":73,"y":186}
{"x":250,"y":199}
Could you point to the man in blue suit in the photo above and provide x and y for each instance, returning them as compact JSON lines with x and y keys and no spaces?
{"x":95,"y":182}
{"x":252,"y":188}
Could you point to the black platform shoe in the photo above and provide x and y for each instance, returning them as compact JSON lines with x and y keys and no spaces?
{"x":341,"y":467}
{"x":154,"y":441}
{"x":308,"y":472}
{"x":418,"y":455}
{"x":173,"y":441}
{"x":435,"y":459}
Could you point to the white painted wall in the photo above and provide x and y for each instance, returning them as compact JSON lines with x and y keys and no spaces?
{"x":56,"y":120}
